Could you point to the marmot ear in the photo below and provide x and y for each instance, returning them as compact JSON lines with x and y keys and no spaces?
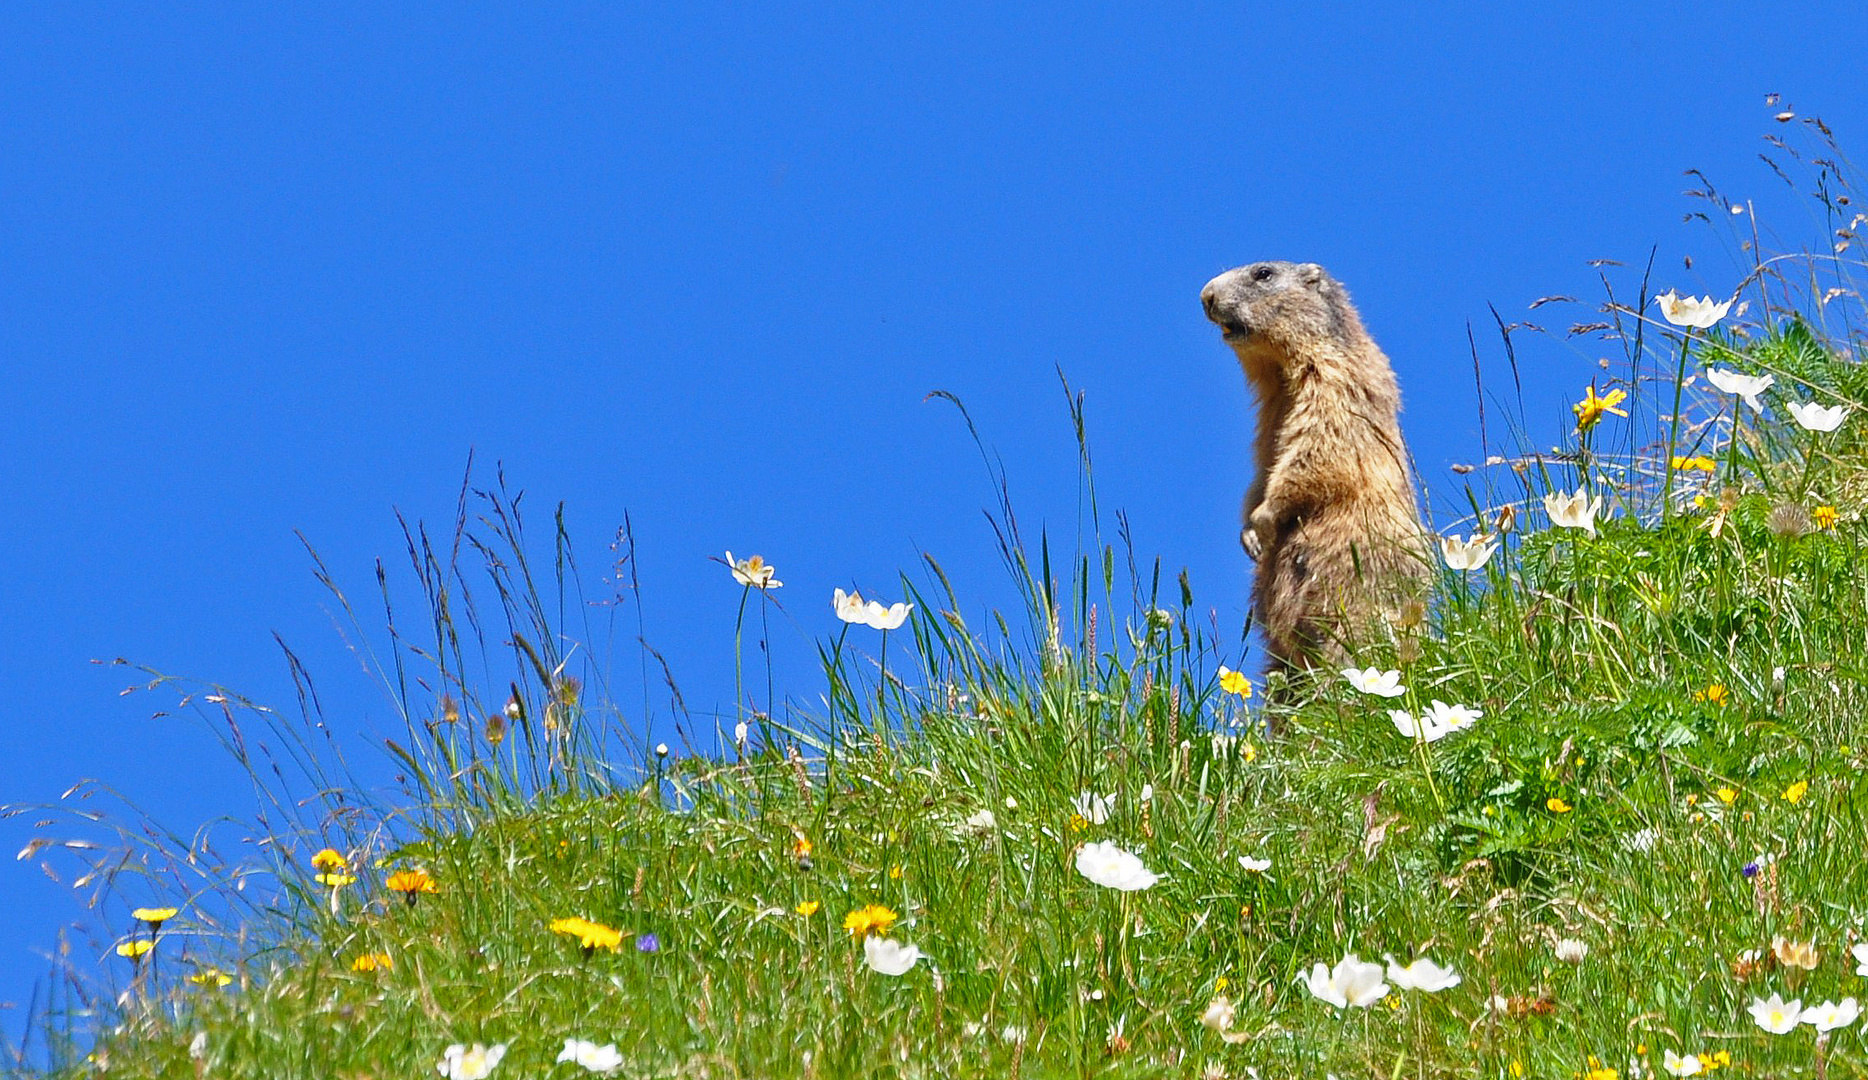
{"x":1311,"y":273}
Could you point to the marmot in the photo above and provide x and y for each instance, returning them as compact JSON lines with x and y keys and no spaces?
{"x":1331,"y":518}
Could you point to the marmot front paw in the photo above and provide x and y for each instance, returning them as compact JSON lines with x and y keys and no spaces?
{"x":1248,"y":539}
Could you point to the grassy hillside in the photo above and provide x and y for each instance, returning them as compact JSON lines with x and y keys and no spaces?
{"x":1664,"y":779}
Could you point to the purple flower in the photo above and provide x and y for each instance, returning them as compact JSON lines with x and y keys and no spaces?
{"x":648,"y":943}
{"x":1750,"y":870}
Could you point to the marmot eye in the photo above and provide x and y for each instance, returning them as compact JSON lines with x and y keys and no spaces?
{"x":1263,"y":273}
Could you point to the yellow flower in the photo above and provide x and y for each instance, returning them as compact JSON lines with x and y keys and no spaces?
{"x":335,"y":879}
{"x":371,"y":961}
{"x":1557,"y":806}
{"x":1716,"y":694}
{"x":135,"y":949}
{"x":1234,"y":683}
{"x":1591,"y":408}
{"x":807,"y":908}
{"x":1249,"y":753}
{"x":1078,"y":823}
{"x":1824,"y":517}
{"x":590,"y":935}
{"x":1517,"y":1067}
{"x":1696,"y":463}
{"x":210,"y":977}
{"x":1726,"y":795}
{"x":870,"y":919}
{"x":1723,"y":1058}
{"x":801,"y":846}
{"x":411,"y":883}
{"x":1797,"y":954}
{"x":328,"y":860}
{"x":1600,"y":1074}
{"x":154,"y":916}
{"x":895,"y":873}
{"x":1795,"y":792}
{"x":1221,"y":983}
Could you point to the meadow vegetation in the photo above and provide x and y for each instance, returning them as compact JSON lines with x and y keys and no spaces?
{"x":1608,"y":779}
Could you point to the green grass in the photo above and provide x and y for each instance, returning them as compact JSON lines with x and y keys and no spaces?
{"x":1671,"y":680}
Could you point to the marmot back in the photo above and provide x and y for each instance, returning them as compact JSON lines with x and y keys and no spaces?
{"x":1330,"y":517}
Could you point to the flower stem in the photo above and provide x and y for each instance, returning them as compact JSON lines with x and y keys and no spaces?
{"x":1673,"y":435}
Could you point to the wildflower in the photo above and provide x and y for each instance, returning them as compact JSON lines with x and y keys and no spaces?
{"x":334,"y":879}
{"x":1576,"y":511}
{"x":1471,"y":553}
{"x":1094,"y":808}
{"x":871,"y":919}
{"x":1790,"y":520}
{"x":411,"y":883}
{"x":661,"y":749}
{"x":1795,"y":792}
{"x":1860,"y":953}
{"x":1643,"y":841}
{"x":740,"y":731}
{"x":328,"y":860}
{"x":589,"y":935}
{"x":1699,"y":312}
{"x":134,"y":950}
{"x":754,"y":573}
{"x":1800,"y":954}
{"x":1592,"y":408}
{"x":1219,"y":1014}
{"x":1234,"y":683}
{"x":1256,"y":866}
{"x":1147,"y":793}
{"x":1831,"y":1015}
{"x":372,"y":961}
{"x":154,"y":916}
{"x":886,"y":957}
{"x":1557,"y":806}
{"x":1824,"y":517}
{"x":1696,"y":463}
{"x":1814,"y":417}
{"x":1350,"y":983}
{"x":1745,"y":386}
{"x":1375,"y":681}
{"x":1681,"y":1066}
{"x":1715,"y":694}
{"x":1422,"y":974}
{"x":1776,"y":1015}
{"x":1417,"y":727}
{"x":461,"y":1063}
{"x":648,"y":943}
{"x":594,"y":1058}
{"x":848,"y":606}
{"x":807,"y":908}
{"x":1725,"y":795}
{"x":801,"y":846}
{"x":851,"y":609}
{"x":1453,"y":717}
{"x":210,"y":976}
{"x":1111,"y":867}
{"x":1570,"y":950}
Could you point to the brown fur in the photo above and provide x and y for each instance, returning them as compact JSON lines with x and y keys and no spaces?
{"x":1331,"y":517}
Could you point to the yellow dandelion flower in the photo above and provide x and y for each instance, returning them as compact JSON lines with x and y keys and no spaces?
{"x":1726,"y":795}
{"x":1234,"y":683}
{"x":372,"y":961}
{"x":590,"y":935}
{"x":210,"y":977}
{"x":807,"y":908}
{"x":895,"y":873}
{"x":412,"y":883}
{"x":1716,"y":694}
{"x":1591,"y":408}
{"x":1696,"y":463}
{"x":328,"y":860}
{"x":154,"y":916}
{"x":1795,"y":792}
{"x":135,"y":949}
{"x":1078,"y":823}
{"x":801,"y":846}
{"x":1825,"y":517}
{"x":1557,"y":806}
{"x":869,"y":919}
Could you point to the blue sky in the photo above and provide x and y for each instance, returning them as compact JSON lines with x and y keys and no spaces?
{"x":281,"y":270}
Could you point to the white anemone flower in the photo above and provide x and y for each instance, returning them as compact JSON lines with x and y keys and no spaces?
{"x":754,"y":573}
{"x":1860,"y":953}
{"x":886,"y":618}
{"x":1422,"y":974}
{"x":1813,"y":417}
{"x":886,"y":957}
{"x":1471,"y":553}
{"x":1576,"y":511}
{"x":459,"y":1062}
{"x":1452,"y":717}
{"x":1745,"y":386}
{"x":1256,"y":866}
{"x":849,"y":606}
{"x":1350,"y":983}
{"x":1111,"y":867}
{"x":1776,"y":1015}
{"x":1831,"y":1015}
{"x":594,"y":1058}
{"x":1570,"y":950}
{"x":1094,"y":808}
{"x":1681,"y":1066}
{"x":1376,"y":681}
{"x":1219,"y":1016}
{"x":1418,"y":727}
{"x":1698,"y":312}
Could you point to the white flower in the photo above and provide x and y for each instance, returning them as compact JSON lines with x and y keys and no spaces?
{"x":1415,"y":727}
{"x":1471,"y":553}
{"x":1351,"y":982}
{"x":1681,"y":1066}
{"x":1814,"y":417}
{"x":982,"y":821}
{"x":198,"y":1046}
{"x":1642,"y":841}
{"x":1860,"y":953}
{"x":1698,"y":312}
{"x":740,"y":732}
{"x":1375,"y":681}
{"x":1422,"y":974}
{"x":1148,"y":792}
{"x":1452,"y":717}
{"x":886,"y":957}
{"x":1094,"y":808}
{"x":1570,"y":950}
{"x":1745,"y":386}
{"x":1219,"y":1014}
{"x":661,"y":749}
{"x":1776,"y":1015}
{"x":753,"y":573}
{"x":849,"y":606}
{"x":1573,"y":511}
{"x":1832,"y":1014}
{"x":1256,"y":866}
{"x":460,"y":1063}
{"x":596,"y":1059}
{"x":1111,"y":867}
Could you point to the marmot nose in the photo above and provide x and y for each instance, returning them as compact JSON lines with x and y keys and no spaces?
{"x":1209,"y":297}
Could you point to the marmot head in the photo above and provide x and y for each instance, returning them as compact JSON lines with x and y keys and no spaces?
{"x":1270,"y":310}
